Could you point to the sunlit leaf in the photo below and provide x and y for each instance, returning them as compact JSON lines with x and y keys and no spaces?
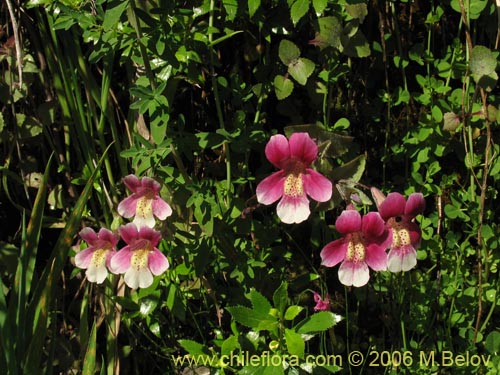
{"x":298,"y":10}
{"x":283,"y":87}
{"x":288,"y":52}
{"x":301,"y":69}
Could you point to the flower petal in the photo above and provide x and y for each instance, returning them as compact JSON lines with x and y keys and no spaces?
{"x":97,"y":274}
{"x":88,"y":235}
{"x":131,"y":278}
{"x":349,"y":221}
{"x":144,"y":221}
{"x":161,"y":209}
{"x":270,"y":189}
{"x":402,"y":258}
{"x":415,"y":234}
{"x":392,"y":206}
{"x":120,"y":262}
{"x":303,"y":148}
{"x":376,"y":257}
{"x":84,"y":257}
{"x":132,"y":182}
{"x":150,"y":234}
{"x":158,"y":262}
{"x":129,"y":232}
{"x":317,"y":186}
{"x":150,"y":184}
{"x":138,"y":278}
{"x":333,"y":253}
{"x":108,"y":236}
{"x":278,"y":150}
{"x":354,"y":273}
{"x":128,"y":206}
{"x":414,"y":205}
{"x":293,"y":209}
{"x":372,"y":225}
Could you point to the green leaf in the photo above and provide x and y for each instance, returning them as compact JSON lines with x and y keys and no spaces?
{"x":475,"y":7}
{"x":194,"y":348}
{"x":288,"y":52}
{"x":89,"y":362}
{"x":245,"y":316}
{"x":482,"y":65}
{"x":112,"y":15}
{"x":301,"y":69}
{"x":358,"y":11}
{"x":280,"y":297}
{"x":229,"y":345}
{"x":299,"y":10}
{"x":319,"y":6}
{"x":47,"y":285}
{"x":492,"y":343}
{"x":294,"y":343}
{"x":260,"y":303}
{"x":352,"y":170}
{"x":292,"y":312}
{"x":318,"y":322}
{"x":283,"y":87}
{"x":231,"y":7}
{"x":328,"y":34}
{"x":253,"y":5}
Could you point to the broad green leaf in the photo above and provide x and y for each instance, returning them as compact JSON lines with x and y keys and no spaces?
{"x":318,"y":322}
{"x":358,"y":11}
{"x":249,"y":318}
{"x":158,"y":126}
{"x":229,"y":345}
{"x":292,"y":312}
{"x":194,"y":348}
{"x":298,"y":10}
{"x":231,"y":7}
{"x":288,"y":52}
{"x":492,"y":343}
{"x":329,"y":32}
{"x":301,"y":69}
{"x":253,"y":5}
{"x":89,"y":361}
{"x":294,"y":343}
{"x":280,"y":298}
{"x":352,"y":170}
{"x":112,"y":15}
{"x":319,"y":6}
{"x":283,"y":87}
{"x":260,"y":303}
{"x":475,"y":9}
{"x":482,"y":65}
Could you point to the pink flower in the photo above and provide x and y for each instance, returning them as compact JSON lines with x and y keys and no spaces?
{"x":295,"y":180}
{"x":321,"y":304}
{"x":363,"y":245}
{"x":144,"y":202}
{"x":140,"y":259}
{"x":404,"y":233}
{"x":96,"y":257}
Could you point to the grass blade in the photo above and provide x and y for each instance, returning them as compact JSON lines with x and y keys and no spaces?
{"x":42,"y":300}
